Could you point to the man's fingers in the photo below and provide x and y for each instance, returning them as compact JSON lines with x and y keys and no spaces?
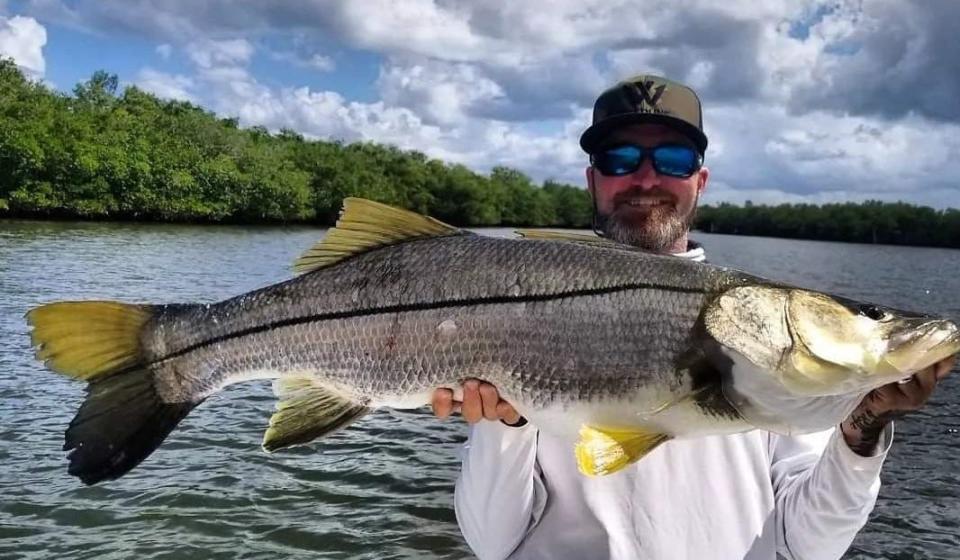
{"x":914,"y":392}
{"x":910,"y":390}
{"x":926,"y":380}
{"x":943,"y":367}
{"x":480,"y":400}
{"x":472,"y":407}
{"x":442,"y":403}
{"x":507,"y":413}
{"x":489,"y":399}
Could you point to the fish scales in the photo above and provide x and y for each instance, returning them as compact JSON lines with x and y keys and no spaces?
{"x":618,"y":348}
{"x":569,"y":349}
{"x":430,"y":272}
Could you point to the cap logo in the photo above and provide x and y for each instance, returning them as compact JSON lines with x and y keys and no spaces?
{"x":644,"y":93}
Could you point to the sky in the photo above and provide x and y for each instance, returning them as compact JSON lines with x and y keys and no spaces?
{"x":804,"y":100}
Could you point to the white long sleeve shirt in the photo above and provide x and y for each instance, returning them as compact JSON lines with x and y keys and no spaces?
{"x":743,"y":496}
{"x":749,"y":495}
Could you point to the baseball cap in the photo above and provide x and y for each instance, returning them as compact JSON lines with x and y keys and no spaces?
{"x":646,"y":99}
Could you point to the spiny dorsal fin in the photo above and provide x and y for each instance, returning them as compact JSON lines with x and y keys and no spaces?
{"x":581,"y":238}
{"x":365,"y":225}
{"x":306,"y":411}
{"x":603,"y":451}
{"x":563,"y":236}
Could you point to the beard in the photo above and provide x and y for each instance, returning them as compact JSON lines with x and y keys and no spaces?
{"x":653,"y":228}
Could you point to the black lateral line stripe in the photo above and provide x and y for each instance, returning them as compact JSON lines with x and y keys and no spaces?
{"x":409,"y":307}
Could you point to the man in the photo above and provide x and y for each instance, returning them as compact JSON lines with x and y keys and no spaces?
{"x":750,"y":495}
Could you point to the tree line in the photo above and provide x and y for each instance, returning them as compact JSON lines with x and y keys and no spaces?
{"x":867,"y":222}
{"x":102,"y":153}
{"x":105,"y":154}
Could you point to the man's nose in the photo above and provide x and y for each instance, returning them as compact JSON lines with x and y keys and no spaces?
{"x":646,"y":176}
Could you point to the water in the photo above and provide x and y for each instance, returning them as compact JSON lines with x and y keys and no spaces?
{"x":382,"y":489}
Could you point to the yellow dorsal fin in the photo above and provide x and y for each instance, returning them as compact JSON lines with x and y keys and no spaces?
{"x":307,"y":410}
{"x":603,"y":451}
{"x":365,"y":225}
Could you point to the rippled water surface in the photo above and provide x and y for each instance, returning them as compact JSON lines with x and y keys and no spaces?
{"x":383,"y":488}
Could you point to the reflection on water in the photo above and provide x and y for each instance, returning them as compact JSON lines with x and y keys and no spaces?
{"x":383,"y":489}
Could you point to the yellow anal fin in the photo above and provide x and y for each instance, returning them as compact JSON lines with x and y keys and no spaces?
{"x":307,"y":410}
{"x":365,"y":225}
{"x":603,"y":451}
{"x":88,"y":339}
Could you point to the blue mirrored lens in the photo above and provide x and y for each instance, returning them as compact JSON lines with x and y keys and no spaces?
{"x":620,"y":160}
{"x":675,"y":161}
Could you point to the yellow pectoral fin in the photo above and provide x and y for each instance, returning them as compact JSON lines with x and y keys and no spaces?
{"x":603,"y":451}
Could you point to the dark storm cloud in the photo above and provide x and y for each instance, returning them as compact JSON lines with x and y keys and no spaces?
{"x":903,"y":57}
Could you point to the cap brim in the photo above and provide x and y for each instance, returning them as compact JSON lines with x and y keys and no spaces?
{"x":596,"y":134}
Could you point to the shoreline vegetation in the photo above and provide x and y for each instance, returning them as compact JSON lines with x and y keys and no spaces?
{"x":102,"y":154}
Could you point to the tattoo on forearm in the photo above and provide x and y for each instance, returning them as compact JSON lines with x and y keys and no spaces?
{"x":870,"y":426}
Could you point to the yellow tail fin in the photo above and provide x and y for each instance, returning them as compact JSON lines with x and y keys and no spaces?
{"x":123,"y":419}
{"x":88,"y":339}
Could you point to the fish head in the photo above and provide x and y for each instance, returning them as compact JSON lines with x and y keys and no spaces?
{"x":816,"y":344}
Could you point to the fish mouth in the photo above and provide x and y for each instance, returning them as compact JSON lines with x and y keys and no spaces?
{"x":920,"y":347}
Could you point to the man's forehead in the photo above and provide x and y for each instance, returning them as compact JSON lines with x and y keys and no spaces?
{"x":648,"y":134}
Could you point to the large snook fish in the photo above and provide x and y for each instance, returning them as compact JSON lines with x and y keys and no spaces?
{"x":620,"y":348}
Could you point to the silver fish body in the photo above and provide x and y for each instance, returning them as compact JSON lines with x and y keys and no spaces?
{"x":547,"y":321}
{"x":552,"y":325}
{"x":624,"y":348}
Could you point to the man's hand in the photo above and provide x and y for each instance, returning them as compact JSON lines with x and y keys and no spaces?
{"x":863,"y":427}
{"x":480,"y":400}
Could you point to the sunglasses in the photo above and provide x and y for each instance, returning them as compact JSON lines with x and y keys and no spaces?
{"x":672,"y":160}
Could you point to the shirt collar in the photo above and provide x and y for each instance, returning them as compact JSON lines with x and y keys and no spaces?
{"x":694,"y":252}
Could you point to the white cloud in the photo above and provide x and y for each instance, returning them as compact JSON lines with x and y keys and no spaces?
{"x":803,"y":98}
{"x":321,"y":63}
{"x":23,"y":39}
{"x":314,"y":61}
{"x":441,"y":92}
{"x":166,"y":86}
{"x":208,"y":54}
{"x":821,"y":155}
{"x":164,"y":50}
{"x":479,"y":143}
{"x":415,"y":26}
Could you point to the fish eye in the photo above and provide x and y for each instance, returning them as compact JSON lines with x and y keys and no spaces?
{"x":872,"y":312}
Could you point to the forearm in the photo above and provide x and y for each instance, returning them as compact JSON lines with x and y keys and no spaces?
{"x":864,"y":429}
{"x":499,"y":494}
{"x":821,"y":508}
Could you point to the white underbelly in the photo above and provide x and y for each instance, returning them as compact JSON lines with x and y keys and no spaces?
{"x":664,"y":413}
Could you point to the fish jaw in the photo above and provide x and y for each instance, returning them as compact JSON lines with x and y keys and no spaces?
{"x":765,"y":401}
{"x":926,"y":345}
{"x":811,"y":344}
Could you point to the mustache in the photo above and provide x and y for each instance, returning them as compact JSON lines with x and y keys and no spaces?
{"x":626,"y":196}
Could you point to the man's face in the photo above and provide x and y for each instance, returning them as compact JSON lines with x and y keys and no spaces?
{"x":643,"y":208}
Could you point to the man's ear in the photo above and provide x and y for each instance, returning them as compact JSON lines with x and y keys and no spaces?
{"x":703,"y":175}
{"x":589,"y":173}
